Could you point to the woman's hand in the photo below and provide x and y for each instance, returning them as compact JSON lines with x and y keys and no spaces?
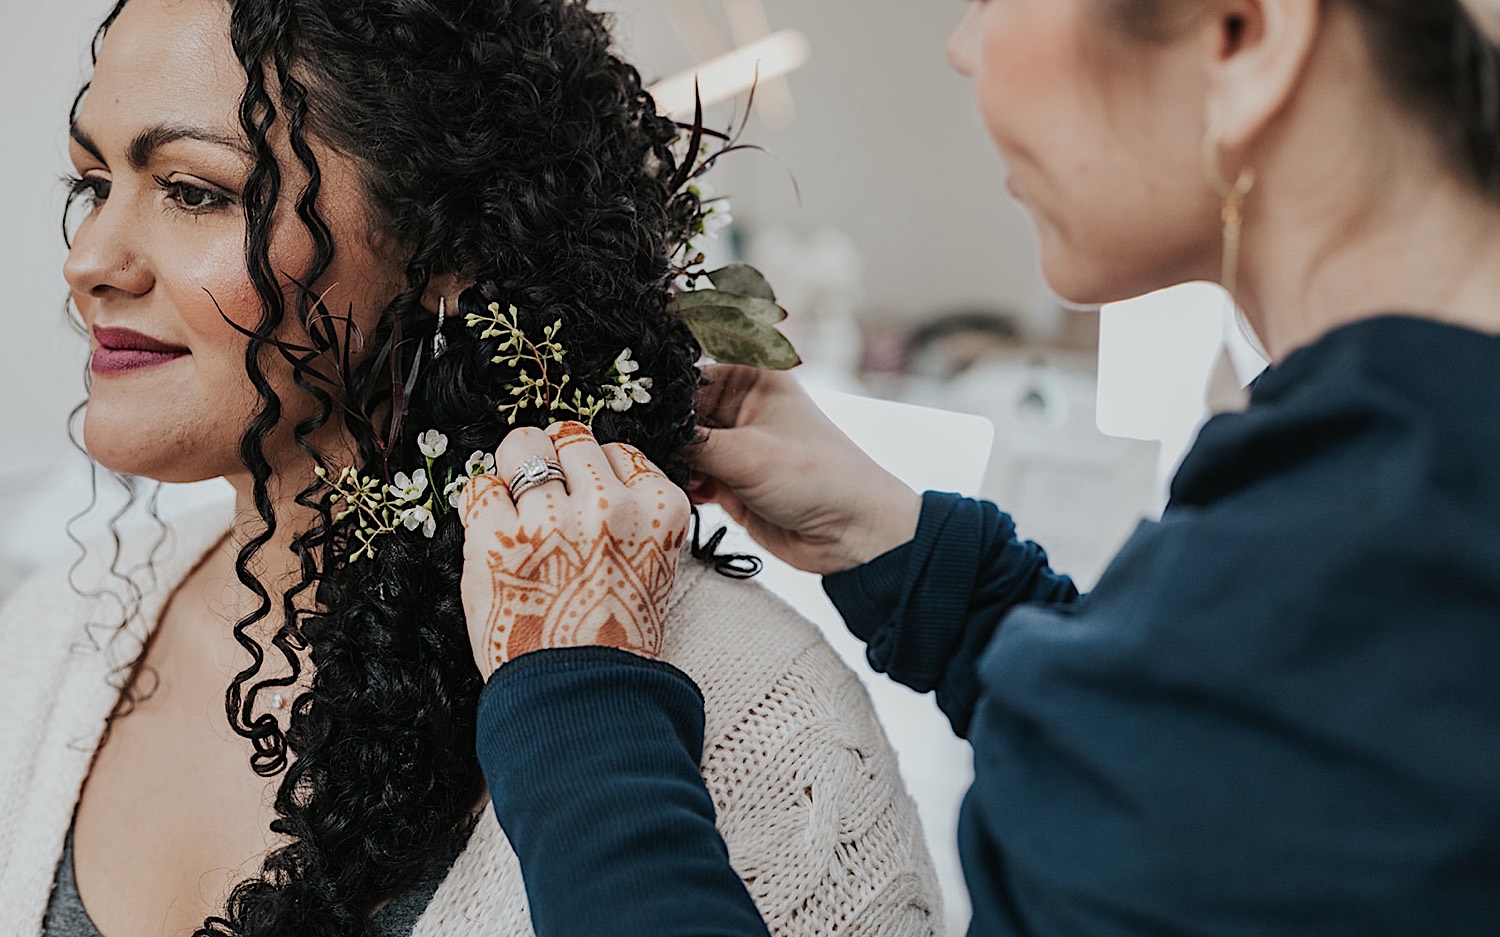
{"x":588,"y":559}
{"x":786,"y":474}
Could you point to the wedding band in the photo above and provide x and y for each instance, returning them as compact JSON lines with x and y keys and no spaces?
{"x":534,"y":473}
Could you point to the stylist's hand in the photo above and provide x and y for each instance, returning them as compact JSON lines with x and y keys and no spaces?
{"x":786,"y":474}
{"x":585,"y":560}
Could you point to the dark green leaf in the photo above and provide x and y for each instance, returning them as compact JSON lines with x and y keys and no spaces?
{"x":729,"y":336}
{"x":743,"y":280}
{"x":757,"y":310}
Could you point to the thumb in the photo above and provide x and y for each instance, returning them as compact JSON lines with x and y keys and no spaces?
{"x":730,"y":457}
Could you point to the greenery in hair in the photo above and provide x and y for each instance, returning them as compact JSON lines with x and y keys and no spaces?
{"x":536,"y":391}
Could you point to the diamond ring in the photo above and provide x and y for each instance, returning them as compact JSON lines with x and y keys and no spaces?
{"x":534,"y":473}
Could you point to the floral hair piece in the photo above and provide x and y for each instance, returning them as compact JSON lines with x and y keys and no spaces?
{"x":411,"y":501}
{"x":734,"y":322}
{"x":408,"y":501}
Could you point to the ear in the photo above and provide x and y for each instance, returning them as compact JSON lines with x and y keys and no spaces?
{"x":1260,"y":51}
{"x":445,"y":287}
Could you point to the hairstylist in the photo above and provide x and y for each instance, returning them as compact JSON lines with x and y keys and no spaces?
{"x":1278,"y":711}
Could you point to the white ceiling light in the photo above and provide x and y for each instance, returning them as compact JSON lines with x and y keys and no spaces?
{"x":760,"y":59}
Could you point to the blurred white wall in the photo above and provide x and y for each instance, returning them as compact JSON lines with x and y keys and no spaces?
{"x":42,"y":52}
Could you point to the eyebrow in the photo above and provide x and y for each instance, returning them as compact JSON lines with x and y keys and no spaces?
{"x":147,"y":142}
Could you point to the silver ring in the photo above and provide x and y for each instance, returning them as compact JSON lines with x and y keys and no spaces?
{"x":534,"y":473}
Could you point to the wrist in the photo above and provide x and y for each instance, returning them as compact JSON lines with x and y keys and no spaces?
{"x":888,"y":521}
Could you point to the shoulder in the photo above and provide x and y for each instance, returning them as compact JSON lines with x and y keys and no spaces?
{"x":733,"y":637}
{"x":107,"y":578}
{"x":807,"y":789}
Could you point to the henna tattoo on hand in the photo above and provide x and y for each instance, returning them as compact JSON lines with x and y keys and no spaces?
{"x":593,"y":566}
{"x":640,"y":466}
{"x":550,"y":592}
{"x":569,"y":433}
{"x":481,"y":494}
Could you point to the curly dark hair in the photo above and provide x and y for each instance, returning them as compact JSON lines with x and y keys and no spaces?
{"x":502,"y":141}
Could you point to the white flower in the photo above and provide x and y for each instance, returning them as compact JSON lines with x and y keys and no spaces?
{"x":432,"y":443}
{"x":618,"y":398}
{"x":416,"y":517}
{"x":410,"y":489}
{"x":716,"y":219}
{"x":627,"y":394}
{"x":456,"y":488}
{"x":625,"y":364}
{"x":480,"y":463}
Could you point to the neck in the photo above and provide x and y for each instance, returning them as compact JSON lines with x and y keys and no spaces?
{"x":275,"y":565}
{"x":1432,"y":253}
{"x":1357,"y":217}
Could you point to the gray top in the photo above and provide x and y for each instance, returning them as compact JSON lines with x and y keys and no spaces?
{"x":66,"y":916}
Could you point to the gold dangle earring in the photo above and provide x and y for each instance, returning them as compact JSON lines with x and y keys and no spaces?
{"x":1234,"y":196}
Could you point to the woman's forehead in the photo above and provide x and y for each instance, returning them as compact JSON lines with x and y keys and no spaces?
{"x":166,"y":63}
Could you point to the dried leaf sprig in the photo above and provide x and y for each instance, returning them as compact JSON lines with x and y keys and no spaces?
{"x":735,"y":321}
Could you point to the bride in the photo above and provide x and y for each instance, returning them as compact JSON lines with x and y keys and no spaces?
{"x":317,"y":246}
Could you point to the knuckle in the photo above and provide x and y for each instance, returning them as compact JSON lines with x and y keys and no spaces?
{"x":522,"y":435}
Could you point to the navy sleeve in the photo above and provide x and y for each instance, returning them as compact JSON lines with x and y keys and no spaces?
{"x":591,"y":755}
{"x":928,"y":609}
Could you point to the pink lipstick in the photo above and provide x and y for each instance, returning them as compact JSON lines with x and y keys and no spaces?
{"x":122,"y":351}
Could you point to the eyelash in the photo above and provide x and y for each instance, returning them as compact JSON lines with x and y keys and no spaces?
{"x":86,"y":189}
{"x":96,"y":191}
{"x":212,"y":201}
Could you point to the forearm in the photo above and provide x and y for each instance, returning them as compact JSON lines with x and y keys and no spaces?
{"x":928,"y":609}
{"x":591,"y":756}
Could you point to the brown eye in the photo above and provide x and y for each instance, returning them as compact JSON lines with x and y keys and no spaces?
{"x":91,"y":191}
{"x":192,"y":198}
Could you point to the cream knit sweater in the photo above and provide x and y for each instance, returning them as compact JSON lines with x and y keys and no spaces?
{"x":806,"y":785}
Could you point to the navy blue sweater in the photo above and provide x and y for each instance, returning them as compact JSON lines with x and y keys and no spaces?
{"x":1277,"y":713}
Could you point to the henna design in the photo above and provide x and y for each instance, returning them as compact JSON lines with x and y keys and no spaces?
{"x":569,"y":433}
{"x":549,"y":593}
{"x":480,"y":493}
{"x":640,"y":466}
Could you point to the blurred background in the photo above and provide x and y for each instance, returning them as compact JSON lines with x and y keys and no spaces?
{"x":879,"y":214}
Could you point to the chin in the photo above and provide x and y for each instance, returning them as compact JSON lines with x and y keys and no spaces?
{"x":1082,"y":293}
{"x":141,"y":450}
{"x":1089,"y":285}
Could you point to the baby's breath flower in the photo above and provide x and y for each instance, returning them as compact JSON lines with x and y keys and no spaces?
{"x":433,"y":444}
{"x":412,"y":518}
{"x":625,"y":395}
{"x":625,"y":365}
{"x":716,"y":219}
{"x":456,"y":488}
{"x":480,"y":463}
{"x":410,"y":489}
{"x":640,"y":390}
